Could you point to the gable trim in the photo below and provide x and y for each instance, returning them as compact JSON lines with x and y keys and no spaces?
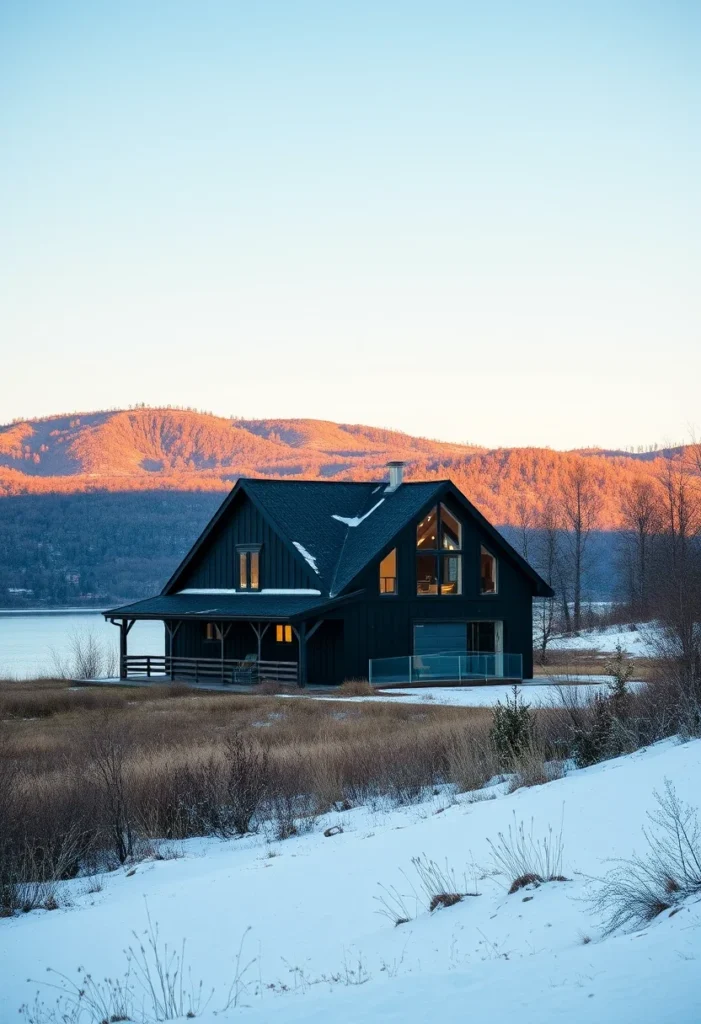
{"x":239,"y":486}
{"x":443,"y":487}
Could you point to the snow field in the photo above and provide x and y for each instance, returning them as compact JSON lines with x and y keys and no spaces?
{"x":312,"y":911}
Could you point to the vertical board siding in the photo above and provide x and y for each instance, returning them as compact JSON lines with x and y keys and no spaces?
{"x":373,"y":626}
{"x":216,"y":566}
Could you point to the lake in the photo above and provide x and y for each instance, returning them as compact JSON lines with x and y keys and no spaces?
{"x":30,"y":641}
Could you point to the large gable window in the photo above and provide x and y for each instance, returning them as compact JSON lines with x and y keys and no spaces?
{"x":438,"y":572}
{"x":249,"y":567}
{"x":388,"y":573}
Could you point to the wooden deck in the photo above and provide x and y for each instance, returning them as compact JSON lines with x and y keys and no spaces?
{"x":225,"y":671}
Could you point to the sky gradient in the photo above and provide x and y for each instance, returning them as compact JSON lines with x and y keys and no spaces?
{"x":473,"y":221}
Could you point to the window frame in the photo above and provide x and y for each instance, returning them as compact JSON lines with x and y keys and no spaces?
{"x":380,"y":577}
{"x":244,"y":553}
{"x":440,"y":553}
{"x":283,"y":633}
{"x":488,"y":593}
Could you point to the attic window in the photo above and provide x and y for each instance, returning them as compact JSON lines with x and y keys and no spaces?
{"x":488,"y":572}
{"x":249,"y":567}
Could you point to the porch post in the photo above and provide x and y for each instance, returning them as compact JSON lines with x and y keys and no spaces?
{"x":124,"y":627}
{"x":302,"y":667}
{"x":171,"y":631}
{"x":223,"y":633}
{"x":123,"y":634}
{"x":260,"y":632}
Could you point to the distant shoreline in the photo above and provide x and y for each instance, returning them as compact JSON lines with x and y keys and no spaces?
{"x":51,"y":611}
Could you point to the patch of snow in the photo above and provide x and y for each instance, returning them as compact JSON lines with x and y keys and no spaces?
{"x":357,"y":520}
{"x":636,"y":642}
{"x":309,"y":559}
{"x":300,"y":592}
{"x":544,"y":692}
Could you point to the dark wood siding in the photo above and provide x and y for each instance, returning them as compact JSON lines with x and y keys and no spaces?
{"x":373,"y":625}
{"x":216,"y":566}
{"x":382,"y":626}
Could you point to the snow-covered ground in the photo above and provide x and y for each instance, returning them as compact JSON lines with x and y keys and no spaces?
{"x":536,"y":957}
{"x":636,"y":642}
{"x":542,"y":692}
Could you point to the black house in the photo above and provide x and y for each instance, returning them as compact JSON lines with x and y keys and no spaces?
{"x":317,"y":582}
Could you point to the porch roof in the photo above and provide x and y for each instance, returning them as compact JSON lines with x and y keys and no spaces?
{"x":217,"y":606}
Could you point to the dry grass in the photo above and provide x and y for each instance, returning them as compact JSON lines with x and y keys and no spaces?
{"x":356,"y":688}
{"x":116,"y":767}
{"x":573,"y":663}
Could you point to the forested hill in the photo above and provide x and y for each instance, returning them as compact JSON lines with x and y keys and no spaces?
{"x":177,"y":450}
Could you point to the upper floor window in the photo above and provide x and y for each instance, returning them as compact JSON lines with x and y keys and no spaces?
{"x":249,"y":568}
{"x":388,"y":573}
{"x":438,"y":572}
{"x":488,"y":572}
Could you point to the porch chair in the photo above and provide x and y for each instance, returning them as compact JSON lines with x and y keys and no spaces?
{"x":246,"y":671}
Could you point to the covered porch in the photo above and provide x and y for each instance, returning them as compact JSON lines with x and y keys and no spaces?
{"x":231,"y":639}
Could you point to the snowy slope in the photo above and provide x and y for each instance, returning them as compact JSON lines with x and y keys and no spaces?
{"x":311,"y":910}
{"x":636,"y":642}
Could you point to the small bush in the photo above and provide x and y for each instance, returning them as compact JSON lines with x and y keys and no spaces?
{"x":471,"y":759}
{"x":270,"y":688}
{"x":438,"y":887}
{"x":513,"y":726}
{"x":356,"y":688}
{"x":592,"y":742}
{"x":521,"y":855}
{"x":247,"y":778}
{"x":532,"y":768}
{"x":639,"y":889}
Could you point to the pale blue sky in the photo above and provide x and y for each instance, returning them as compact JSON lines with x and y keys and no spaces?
{"x":473,"y":220}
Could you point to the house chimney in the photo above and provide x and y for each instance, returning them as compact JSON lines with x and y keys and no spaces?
{"x":396,"y":476}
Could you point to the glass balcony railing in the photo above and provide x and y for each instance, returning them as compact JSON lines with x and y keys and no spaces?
{"x":447,"y":667}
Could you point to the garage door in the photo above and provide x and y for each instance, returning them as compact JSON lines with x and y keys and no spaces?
{"x":440,"y":637}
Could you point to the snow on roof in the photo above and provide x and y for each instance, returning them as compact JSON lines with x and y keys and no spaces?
{"x":297,"y":592}
{"x":310,"y":559}
{"x":357,"y":520}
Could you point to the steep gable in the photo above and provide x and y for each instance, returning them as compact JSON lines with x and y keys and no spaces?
{"x":330,"y":531}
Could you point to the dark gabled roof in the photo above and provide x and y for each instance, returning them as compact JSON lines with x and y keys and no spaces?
{"x":364,"y":541}
{"x":336,"y":528}
{"x":214,"y":607}
{"x":320,"y":515}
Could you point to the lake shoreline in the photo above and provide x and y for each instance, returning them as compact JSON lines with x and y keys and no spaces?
{"x":51,"y":611}
{"x":33,"y":642}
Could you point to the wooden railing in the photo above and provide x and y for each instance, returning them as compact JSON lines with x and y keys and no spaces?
{"x":226,"y":670}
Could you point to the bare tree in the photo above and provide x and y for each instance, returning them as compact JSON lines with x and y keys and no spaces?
{"x":527,"y":518}
{"x":547,"y":558}
{"x":641,"y":516}
{"x":580,"y":505}
{"x":677,"y":577}
{"x":109,"y":750}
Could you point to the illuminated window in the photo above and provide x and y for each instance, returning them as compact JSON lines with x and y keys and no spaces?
{"x":388,"y":573}
{"x":212,"y":631}
{"x":283,"y":634}
{"x":488,"y":572}
{"x":437,"y":572}
{"x":249,"y":568}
